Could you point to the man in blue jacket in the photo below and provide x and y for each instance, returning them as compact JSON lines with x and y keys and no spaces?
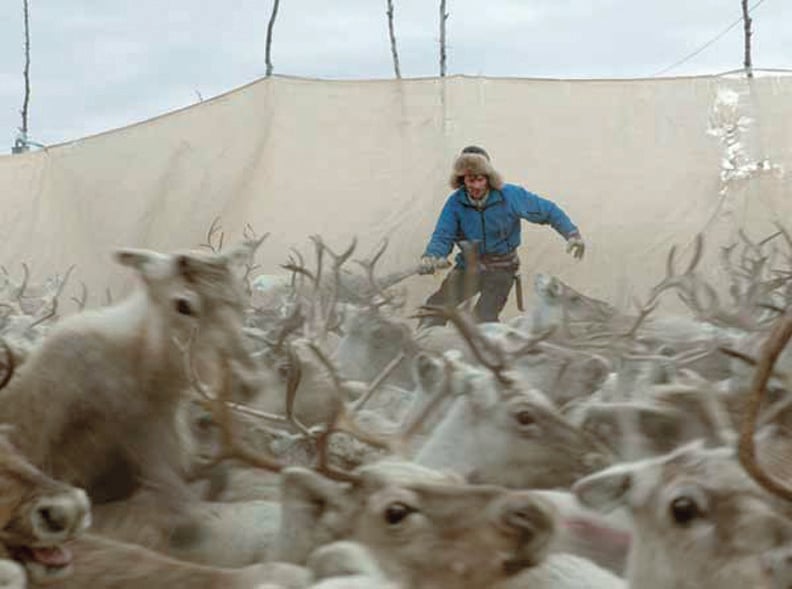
{"x":482,"y":216}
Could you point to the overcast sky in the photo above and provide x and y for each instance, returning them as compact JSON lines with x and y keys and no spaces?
{"x":102,"y":64}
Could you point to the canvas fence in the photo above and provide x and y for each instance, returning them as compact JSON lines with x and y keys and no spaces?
{"x":639,"y":165}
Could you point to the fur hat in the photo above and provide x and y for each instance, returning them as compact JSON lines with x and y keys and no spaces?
{"x":474,"y":160}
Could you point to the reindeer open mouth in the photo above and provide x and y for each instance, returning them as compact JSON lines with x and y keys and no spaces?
{"x":37,"y":537}
{"x":43,"y":563}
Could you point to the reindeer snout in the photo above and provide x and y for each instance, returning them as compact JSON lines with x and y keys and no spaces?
{"x":61,"y":516}
{"x":12,"y":575}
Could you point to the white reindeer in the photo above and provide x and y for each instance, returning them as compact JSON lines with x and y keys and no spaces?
{"x":96,"y":404}
{"x":501,"y":433}
{"x":700,"y":521}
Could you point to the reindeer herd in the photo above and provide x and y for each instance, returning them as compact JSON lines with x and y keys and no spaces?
{"x":221,"y":428}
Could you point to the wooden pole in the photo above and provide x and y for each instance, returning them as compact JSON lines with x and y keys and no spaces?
{"x":270,"y":26}
{"x":392,"y":35}
{"x":747,"y":22}
{"x":443,"y":19}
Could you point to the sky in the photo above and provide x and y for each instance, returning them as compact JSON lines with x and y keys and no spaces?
{"x":97,"y":65}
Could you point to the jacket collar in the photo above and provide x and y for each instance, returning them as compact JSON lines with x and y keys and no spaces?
{"x":495,"y":197}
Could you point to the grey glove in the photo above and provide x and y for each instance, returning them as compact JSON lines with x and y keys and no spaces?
{"x":576,"y":246}
{"x":429,"y":264}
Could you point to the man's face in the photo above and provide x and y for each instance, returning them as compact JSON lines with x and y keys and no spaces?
{"x":476,"y":185}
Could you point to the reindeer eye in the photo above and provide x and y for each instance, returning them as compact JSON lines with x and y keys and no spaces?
{"x":204,"y":422}
{"x":525,"y":417}
{"x":183,"y":307}
{"x":684,"y":510}
{"x":284,"y":370}
{"x":395,"y":513}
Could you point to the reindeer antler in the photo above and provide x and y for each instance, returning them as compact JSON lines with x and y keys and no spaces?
{"x":296,"y":265}
{"x":53,"y":310}
{"x":251,"y":242}
{"x":488,"y":354}
{"x":686,"y":280}
{"x":232,"y":446}
{"x":368,"y":266}
{"x":10,"y":364}
{"x":292,"y":384}
{"x":215,"y":232}
{"x":20,"y":291}
{"x":288,"y":325}
{"x":415,"y":426}
{"x":327,"y":304}
{"x":771,"y":349}
{"x":83,"y":298}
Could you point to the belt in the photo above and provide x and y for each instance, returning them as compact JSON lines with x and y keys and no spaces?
{"x":508,"y":261}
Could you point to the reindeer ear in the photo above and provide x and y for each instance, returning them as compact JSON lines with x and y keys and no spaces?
{"x":195,"y":267}
{"x":605,"y":490}
{"x":312,"y":513}
{"x":428,"y":372}
{"x":759,"y":528}
{"x":661,"y":423}
{"x":553,"y":287}
{"x":134,"y":258}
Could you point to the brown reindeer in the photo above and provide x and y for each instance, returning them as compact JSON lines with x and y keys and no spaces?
{"x":101,"y":563}
{"x":42,"y":544}
{"x":425,"y":529}
{"x":38,"y":515}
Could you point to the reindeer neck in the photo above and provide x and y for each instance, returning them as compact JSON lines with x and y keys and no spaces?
{"x":152,"y":341}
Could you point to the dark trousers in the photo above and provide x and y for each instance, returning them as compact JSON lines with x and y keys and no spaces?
{"x":458,"y":286}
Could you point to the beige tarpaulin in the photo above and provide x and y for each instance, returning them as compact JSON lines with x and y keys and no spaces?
{"x":638,"y":165}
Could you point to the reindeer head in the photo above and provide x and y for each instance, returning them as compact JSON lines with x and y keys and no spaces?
{"x":186,"y":287}
{"x":370,"y":341}
{"x":636,"y":429}
{"x":195,"y":298}
{"x":559,"y":303}
{"x":37,"y":516}
{"x":500,"y":432}
{"x":562,"y":374}
{"x":425,"y":529}
{"x":700,"y":521}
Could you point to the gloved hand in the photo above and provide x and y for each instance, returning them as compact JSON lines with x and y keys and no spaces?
{"x":429,"y":264}
{"x":576,"y":246}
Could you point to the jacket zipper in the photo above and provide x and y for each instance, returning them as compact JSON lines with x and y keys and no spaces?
{"x":483,"y":224}
{"x":483,"y":232}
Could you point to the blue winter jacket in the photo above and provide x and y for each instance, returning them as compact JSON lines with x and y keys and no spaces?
{"x":496,"y":227}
